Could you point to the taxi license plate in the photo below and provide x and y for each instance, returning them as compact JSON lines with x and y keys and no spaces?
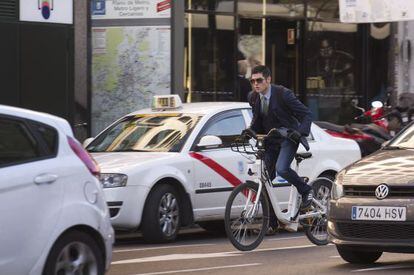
{"x":379,"y":213}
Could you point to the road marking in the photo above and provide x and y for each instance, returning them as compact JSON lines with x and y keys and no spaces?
{"x":160,"y":247}
{"x":388,"y":267}
{"x":199,"y":269}
{"x":175,"y":257}
{"x":286,"y":248}
{"x":335,"y":257}
{"x":287,"y":238}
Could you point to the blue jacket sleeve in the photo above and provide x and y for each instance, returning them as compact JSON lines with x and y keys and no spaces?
{"x":300,"y":111}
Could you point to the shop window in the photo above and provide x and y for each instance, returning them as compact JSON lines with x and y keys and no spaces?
{"x":249,"y":54}
{"x":331,"y":68}
{"x":283,"y":8}
{"x":210,"y":68}
{"x":279,"y":8}
{"x":210,"y":5}
{"x":327,"y":10}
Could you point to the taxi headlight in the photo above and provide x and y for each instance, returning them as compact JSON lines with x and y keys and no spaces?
{"x":338,"y":188}
{"x":113,"y":180}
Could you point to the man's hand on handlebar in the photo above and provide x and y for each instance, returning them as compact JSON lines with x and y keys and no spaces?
{"x":247,"y":134}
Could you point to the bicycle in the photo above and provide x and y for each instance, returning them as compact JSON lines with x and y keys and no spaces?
{"x":247,"y":210}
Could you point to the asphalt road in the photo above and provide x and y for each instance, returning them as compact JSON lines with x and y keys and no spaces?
{"x":199,"y":252}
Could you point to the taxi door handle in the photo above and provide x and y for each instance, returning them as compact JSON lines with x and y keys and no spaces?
{"x":45,"y":179}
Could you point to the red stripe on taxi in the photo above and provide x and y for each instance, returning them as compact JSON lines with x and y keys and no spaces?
{"x":232,"y":179}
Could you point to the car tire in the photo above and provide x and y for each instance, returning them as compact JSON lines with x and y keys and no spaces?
{"x":354,"y":255}
{"x":75,"y":252}
{"x":213,"y":226}
{"x":161,"y":218}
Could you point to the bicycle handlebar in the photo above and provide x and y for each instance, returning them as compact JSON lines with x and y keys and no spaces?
{"x":281,"y":132}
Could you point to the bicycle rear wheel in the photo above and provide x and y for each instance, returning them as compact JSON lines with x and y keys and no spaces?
{"x":246,"y":224}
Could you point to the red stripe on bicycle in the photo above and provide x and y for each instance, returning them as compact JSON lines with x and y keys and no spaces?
{"x":226,"y":174}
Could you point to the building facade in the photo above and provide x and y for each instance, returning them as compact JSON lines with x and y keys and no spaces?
{"x":117,"y":54}
{"x":213,"y":45}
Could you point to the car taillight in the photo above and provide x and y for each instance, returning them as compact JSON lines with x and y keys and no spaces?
{"x":84,"y":156}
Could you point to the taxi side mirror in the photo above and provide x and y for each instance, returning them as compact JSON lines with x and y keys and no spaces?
{"x":209,"y":142}
{"x":87,"y":141}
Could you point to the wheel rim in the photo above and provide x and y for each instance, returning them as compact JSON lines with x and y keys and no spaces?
{"x":76,"y":258}
{"x":318,"y":227}
{"x":168,"y":214}
{"x":246,"y":223}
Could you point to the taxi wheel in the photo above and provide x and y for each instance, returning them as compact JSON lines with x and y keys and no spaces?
{"x":75,"y":253}
{"x":354,"y":255}
{"x":161,"y":218}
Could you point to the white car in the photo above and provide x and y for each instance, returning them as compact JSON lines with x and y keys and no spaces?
{"x":54,"y":218}
{"x":163,"y":168}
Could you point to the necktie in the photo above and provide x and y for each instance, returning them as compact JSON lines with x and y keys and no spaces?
{"x":265,"y":105}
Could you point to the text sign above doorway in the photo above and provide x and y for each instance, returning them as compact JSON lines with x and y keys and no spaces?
{"x":47,"y":11}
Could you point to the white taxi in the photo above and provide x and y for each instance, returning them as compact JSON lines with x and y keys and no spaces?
{"x":172,"y":165}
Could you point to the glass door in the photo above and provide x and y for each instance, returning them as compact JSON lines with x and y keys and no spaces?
{"x":282,"y":52}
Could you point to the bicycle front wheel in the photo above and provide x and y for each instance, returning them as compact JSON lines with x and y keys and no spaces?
{"x":246,"y":222}
{"x":316,"y":231}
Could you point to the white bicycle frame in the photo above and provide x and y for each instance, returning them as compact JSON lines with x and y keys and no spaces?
{"x":290,"y":218}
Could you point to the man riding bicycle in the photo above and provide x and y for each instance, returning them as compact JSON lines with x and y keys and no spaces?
{"x":275,"y":106}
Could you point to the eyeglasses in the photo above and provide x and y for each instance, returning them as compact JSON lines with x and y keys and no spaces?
{"x":256,"y":80}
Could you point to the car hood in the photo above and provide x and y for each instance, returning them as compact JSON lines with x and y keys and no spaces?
{"x":113,"y":162}
{"x":393,"y":167}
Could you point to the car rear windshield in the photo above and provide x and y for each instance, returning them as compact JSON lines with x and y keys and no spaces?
{"x":146,"y":133}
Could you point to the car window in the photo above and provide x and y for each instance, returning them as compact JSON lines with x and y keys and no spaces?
{"x":250,"y":111}
{"x":49,"y":135}
{"x":228,"y":128}
{"x":17,"y":144}
{"x":146,"y":132}
{"x":405,"y":139}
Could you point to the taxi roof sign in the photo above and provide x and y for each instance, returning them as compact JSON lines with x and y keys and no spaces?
{"x":165,"y":102}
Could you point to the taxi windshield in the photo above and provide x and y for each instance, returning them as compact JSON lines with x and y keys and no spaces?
{"x":404,"y":140}
{"x":146,"y":133}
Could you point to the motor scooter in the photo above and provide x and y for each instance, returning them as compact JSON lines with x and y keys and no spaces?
{"x":370,"y":131}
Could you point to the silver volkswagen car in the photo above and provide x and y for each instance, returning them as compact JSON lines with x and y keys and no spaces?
{"x":372,"y":204}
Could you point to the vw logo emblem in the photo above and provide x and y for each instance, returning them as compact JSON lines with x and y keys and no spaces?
{"x":382,"y":191}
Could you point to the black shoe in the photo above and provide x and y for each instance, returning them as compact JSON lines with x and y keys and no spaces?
{"x":307,"y":199}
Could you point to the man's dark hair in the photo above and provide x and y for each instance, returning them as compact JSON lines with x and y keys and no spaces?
{"x":261,"y":69}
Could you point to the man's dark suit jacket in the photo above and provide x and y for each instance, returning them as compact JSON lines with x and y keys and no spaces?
{"x":291,"y":113}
